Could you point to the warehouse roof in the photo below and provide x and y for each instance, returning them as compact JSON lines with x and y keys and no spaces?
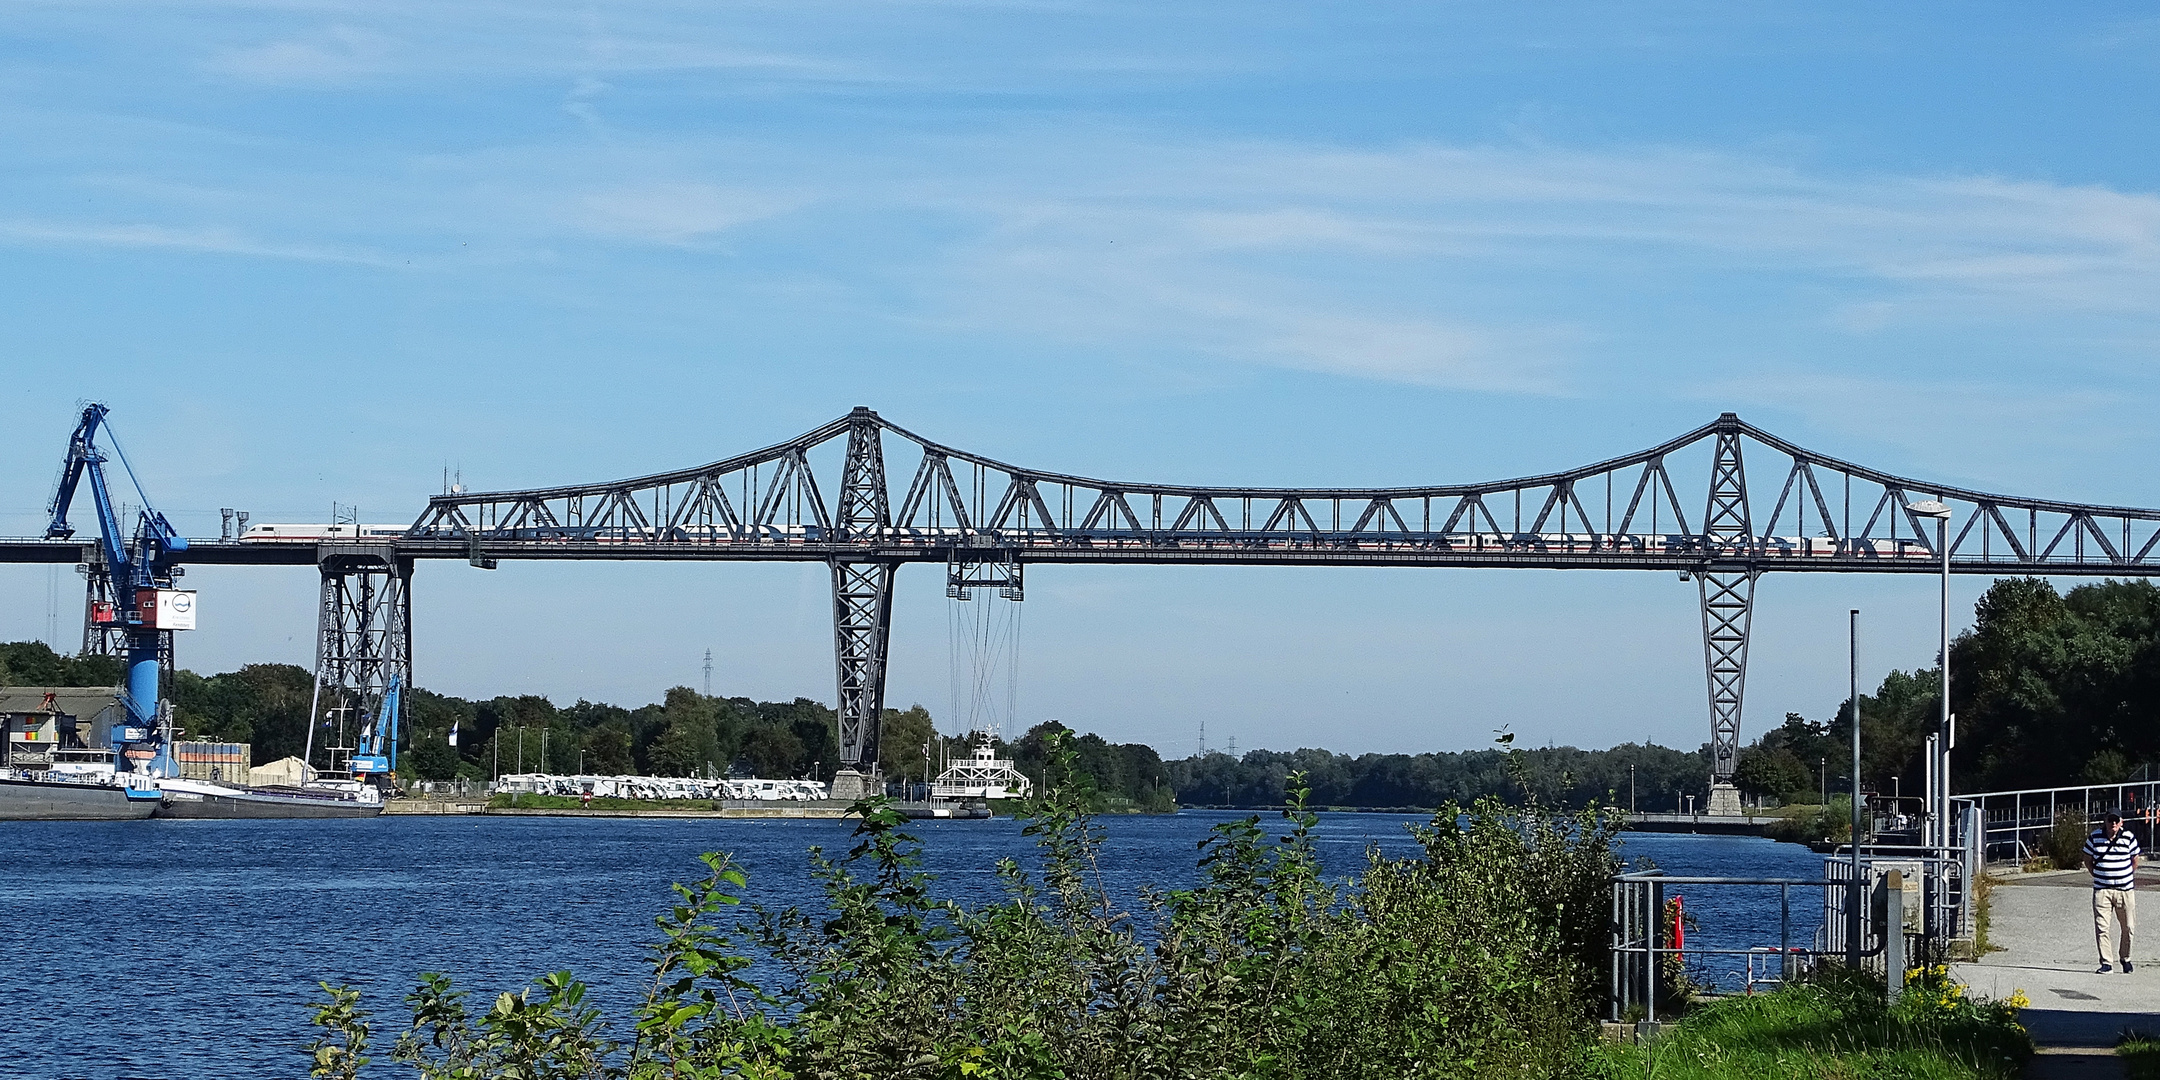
{"x":81,"y":702}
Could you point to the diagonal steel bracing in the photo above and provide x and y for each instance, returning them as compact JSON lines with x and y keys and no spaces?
{"x":1633,"y":512}
{"x":363,"y":639}
{"x":1728,"y":601}
{"x":862,"y":597}
{"x":862,"y":622}
{"x":1727,"y":592}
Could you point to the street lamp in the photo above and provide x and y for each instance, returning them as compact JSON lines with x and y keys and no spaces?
{"x":1852,"y":886}
{"x":1939,"y":778}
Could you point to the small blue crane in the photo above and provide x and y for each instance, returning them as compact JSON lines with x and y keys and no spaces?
{"x":376,"y":759}
{"x":144,"y":604}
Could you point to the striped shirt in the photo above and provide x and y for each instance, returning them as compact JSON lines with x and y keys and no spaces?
{"x":2113,"y":861}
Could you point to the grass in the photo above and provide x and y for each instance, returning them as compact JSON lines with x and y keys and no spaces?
{"x":572,"y":802}
{"x":2141,"y":1058}
{"x":1983,"y":912}
{"x":1837,"y":1030}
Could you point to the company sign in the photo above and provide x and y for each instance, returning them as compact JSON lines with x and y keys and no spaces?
{"x":167,"y":609}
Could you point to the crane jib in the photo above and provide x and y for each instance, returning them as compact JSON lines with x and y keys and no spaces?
{"x":140,"y":605}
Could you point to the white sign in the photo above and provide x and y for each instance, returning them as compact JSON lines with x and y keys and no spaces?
{"x":175,"y":609}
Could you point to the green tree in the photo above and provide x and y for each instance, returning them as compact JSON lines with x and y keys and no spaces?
{"x":902,"y":738}
{"x":773,"y":751}
{"x":34,"y":663}
{"x":1776,"y":772}
{"x":607,"y":750}
{"x":429,"y":759}
{"x":689,"y":743}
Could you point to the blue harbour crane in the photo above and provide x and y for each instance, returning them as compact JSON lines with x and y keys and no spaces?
{"x":375,"y":759}
{"x":144,"y":605}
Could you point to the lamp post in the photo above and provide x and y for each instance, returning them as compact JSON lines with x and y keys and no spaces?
{"x":1939,"y":780}
{"x":1852,"y":888}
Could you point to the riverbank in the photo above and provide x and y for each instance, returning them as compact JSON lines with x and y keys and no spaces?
{"x":559,"y":806}
{"x":553,"y":807}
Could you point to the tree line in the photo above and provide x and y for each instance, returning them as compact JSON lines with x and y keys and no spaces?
{"x":2050,"y":689}
{"x":685,"y":733}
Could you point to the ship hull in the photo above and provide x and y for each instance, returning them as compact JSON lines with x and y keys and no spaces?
{"x":28,"y":800}
{"x":259,"y":803}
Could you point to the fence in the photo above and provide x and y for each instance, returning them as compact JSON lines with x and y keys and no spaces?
{"x":2012,"y":822}
{"x":456,"y":789}
{"x":1929,"y":907}
{"x":1647,"y":961}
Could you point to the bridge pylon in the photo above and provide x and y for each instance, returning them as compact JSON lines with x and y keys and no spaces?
{"x":1726,"y":588}
{"x":862,"y":609}
{"x":363,"y":633}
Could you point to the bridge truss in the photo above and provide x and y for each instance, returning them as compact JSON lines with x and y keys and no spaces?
{"x":1796,"y":510}
{"x":1722,"y":504}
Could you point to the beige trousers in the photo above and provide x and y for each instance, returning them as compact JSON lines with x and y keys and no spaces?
{"x":2122,"y":904}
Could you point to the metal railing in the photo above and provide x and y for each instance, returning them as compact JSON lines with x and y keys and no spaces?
{"x":1647,"y":964}
{"x":1931,"y":907}
{"x":2011,"y":822}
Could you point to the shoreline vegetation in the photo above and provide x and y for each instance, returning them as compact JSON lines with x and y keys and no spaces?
{"x":1479,"y":956}
{"x":2049,"y":689}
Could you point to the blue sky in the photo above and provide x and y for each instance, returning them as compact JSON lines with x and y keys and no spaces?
{"x":321,"y":251}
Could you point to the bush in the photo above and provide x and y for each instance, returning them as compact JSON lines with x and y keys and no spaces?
{"x":1476,"y":958}
{"x":2063,"y":845}
{"x":1809,"y":824}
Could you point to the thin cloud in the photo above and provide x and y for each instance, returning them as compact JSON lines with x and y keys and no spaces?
{"x":209,"y":240}
{"x":334,"y":54}
{"x":677,"y":213}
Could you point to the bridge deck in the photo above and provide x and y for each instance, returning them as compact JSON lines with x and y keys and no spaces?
{"x":1324,"y":551}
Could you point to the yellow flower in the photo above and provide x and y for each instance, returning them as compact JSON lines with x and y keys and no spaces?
{"x":2018,"y":1000}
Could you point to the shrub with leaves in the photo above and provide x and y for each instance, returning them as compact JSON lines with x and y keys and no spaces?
{"x":1475,"y":958}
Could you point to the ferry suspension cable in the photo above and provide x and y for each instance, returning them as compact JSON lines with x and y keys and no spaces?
{"x":983,"y":646}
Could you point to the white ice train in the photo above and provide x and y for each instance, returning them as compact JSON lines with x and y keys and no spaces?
{"x":314,"y":534}
{"x":1467,"y":542}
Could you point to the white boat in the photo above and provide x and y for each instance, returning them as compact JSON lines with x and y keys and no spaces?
{"x":179,"y":798}
{"x":984,"y":775}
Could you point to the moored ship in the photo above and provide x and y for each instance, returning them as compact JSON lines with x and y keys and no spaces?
{"x":55,"y":765}
{"x":321,"y":799}
{"x":44,"y":797}
{"x":353,"y":789}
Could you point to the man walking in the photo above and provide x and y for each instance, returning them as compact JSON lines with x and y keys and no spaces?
{"x":2111,"y":854}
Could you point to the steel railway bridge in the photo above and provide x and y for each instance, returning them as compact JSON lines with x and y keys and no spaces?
{"x":834,"y":495}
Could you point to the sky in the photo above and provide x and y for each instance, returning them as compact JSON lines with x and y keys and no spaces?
{"x":317,"y":252}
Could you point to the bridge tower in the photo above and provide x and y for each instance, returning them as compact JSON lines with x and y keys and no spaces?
{"x":862,"y":608}
{"x":1726,"y":586}
{"x":363,"y":630}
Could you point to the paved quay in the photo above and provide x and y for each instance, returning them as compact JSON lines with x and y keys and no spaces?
{"x":2042,"y":923}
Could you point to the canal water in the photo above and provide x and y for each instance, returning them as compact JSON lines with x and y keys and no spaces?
{"x":193,"y":948}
